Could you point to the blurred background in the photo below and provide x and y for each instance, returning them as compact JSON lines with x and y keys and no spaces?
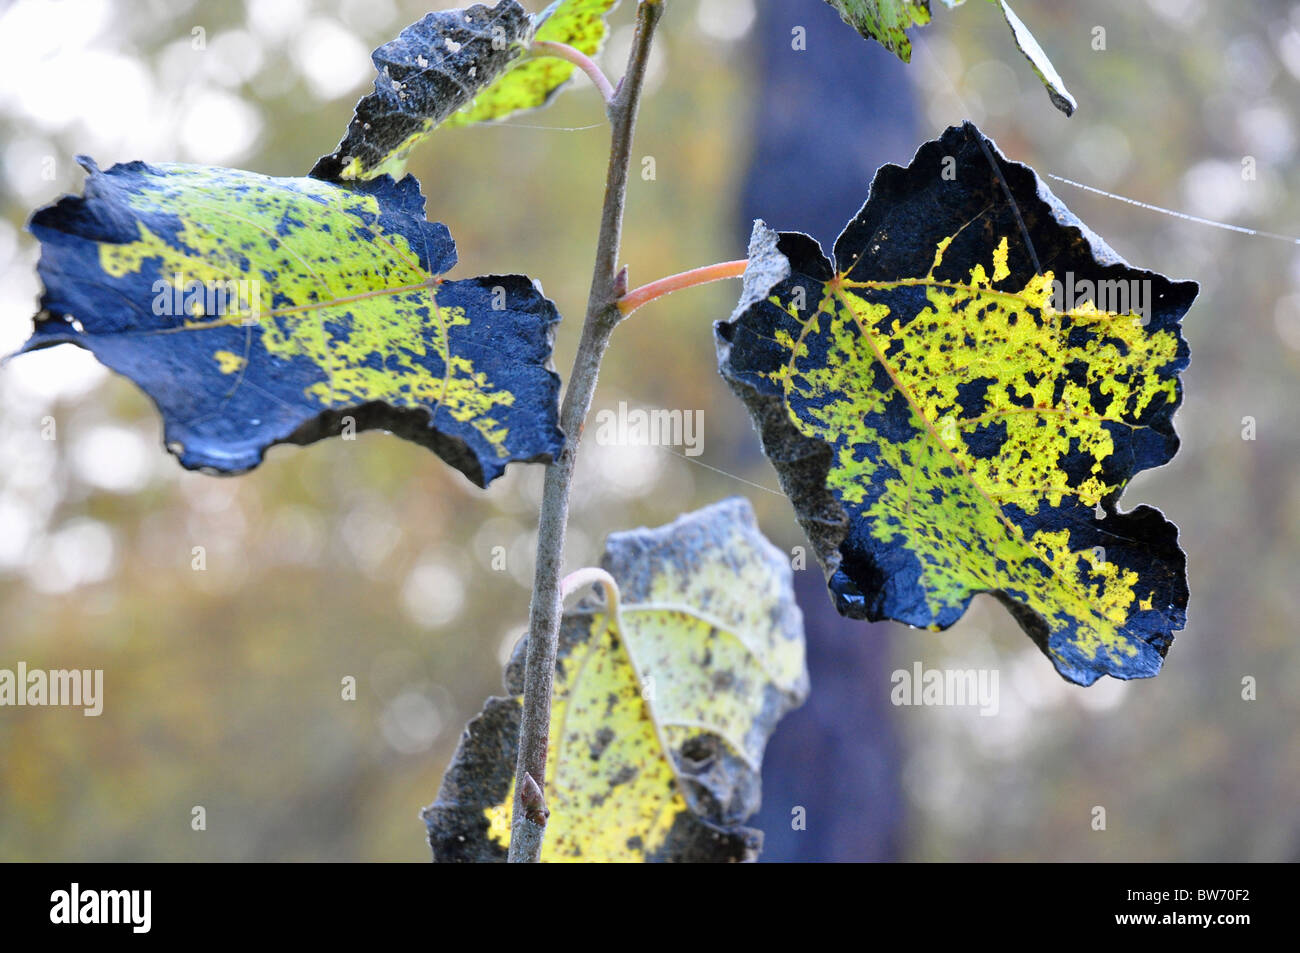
{"x":372,"y":559}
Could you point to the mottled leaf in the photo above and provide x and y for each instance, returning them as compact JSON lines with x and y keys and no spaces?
{"x":459,"y":67}
{"x":887,"y":20}
{"x":948,"y":420}
{"x":532,"y":81}
{"x":257,"y":311}
{"x":660,"y":716}
{"x":434,"y":67}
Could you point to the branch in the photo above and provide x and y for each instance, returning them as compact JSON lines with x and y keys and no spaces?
{"x":686,"y":279}
{"x":579,"y":59}
{"x":602,"y":316}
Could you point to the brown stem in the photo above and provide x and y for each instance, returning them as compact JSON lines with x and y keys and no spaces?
{"x":602,"y":316}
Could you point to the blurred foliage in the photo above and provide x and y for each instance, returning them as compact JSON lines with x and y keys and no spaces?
{"x":372,"y":559}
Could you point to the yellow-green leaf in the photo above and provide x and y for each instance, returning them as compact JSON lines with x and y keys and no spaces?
{"x":885,"y":21}
{"x":256,"y":311}
{"x":661,"y":714}
{"x":956,"y":402}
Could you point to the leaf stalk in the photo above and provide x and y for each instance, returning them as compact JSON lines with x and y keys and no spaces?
{"x":686,"y":279}
{"x":579,"y":59}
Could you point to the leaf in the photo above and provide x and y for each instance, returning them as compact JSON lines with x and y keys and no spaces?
{"x":434,"y":67}
{"x":660,"y":717}
{"x":1047,"y":74}
{"x":459,"y":67}
{"x":886,"y":20}
{"x":532,"y":81}
{"x":257,"y":311}
{"x":947,"y":421}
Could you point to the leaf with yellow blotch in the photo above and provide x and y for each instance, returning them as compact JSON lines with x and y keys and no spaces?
{"x":456,"y":67}
{"x":532,"y":80}
{"x":957,"y":401}
{"x":257,"y":311}
{"x":661,"y":714}
{"x":434,"y":67}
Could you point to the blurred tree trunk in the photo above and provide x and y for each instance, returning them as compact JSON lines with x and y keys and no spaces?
{"x":824,"y":119}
